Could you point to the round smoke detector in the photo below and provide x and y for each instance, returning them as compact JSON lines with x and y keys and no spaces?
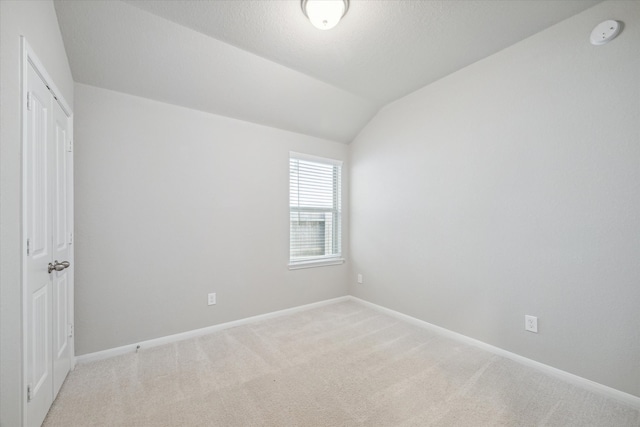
{"x":604,"y":32}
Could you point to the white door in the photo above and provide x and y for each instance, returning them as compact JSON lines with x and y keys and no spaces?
{"x":38,"y":225}
{"x":61,"y":290}
{"x":48,"y":354}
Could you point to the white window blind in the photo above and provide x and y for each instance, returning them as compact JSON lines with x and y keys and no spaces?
{"x":314,"y":210}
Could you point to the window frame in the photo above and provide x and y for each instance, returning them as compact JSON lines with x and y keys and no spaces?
{"x":324,"y":260}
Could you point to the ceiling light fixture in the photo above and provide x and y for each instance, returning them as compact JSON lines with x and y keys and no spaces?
{"x":325,"y":14}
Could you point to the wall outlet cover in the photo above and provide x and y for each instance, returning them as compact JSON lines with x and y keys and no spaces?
{"x":211,"y":299}
{"x":531,"y":323}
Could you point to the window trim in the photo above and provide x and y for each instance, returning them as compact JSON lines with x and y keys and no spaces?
{"x":325,"y":260}
{"x":310,"y":263}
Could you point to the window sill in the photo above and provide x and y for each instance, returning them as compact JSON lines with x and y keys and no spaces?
{"x":315,"y":263}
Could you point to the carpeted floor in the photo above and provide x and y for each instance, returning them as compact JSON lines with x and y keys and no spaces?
{"x":339,"y":365}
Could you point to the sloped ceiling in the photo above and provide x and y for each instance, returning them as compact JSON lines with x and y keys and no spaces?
{"x":262,"y":61}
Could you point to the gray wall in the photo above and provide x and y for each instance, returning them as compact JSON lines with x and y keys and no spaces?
{"x":509,"y":188}
{"x":172,"y":204}
{"x":37,"y":21}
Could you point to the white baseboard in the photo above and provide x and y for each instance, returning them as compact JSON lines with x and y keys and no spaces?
{"x":592,"y":386}
{"x":117,"y":351}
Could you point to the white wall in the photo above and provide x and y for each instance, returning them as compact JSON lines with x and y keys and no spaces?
{"x":512,"y":187}
{"x":172,"y":204}
{"x":37,"y":21}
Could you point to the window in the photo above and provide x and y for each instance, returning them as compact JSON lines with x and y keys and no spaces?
{"x":315,"y":213}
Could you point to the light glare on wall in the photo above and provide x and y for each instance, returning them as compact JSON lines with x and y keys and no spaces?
{"x":325,"y":14}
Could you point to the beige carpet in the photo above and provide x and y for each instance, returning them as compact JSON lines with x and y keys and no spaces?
{"x":339,"y":365}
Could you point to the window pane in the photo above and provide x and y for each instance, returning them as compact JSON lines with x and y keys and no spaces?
{"x":312,"y":184}
{"x":314,"y":201}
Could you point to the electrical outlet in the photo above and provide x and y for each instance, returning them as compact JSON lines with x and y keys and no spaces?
{"x":359,"y":278}
{"x":211,"y":299}
{"x":531,"y":323}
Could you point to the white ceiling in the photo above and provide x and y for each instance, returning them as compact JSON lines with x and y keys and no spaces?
{"x":262,"y":61}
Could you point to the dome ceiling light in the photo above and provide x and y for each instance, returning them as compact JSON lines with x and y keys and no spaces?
{"x":325,"y":14}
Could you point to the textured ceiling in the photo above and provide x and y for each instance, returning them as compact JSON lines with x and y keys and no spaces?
{"x":382,"y":49}
{"x":262,"y":61}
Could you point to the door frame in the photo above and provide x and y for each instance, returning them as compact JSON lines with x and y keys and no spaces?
{"x":30,"y":58}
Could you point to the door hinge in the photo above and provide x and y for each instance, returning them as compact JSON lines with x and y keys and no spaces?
{"x":28,"y":392}
{"x":28,"y":246}
{"x":71,"y":238}
{"x":29,"y":101}
{"x":70,"y":146}
{"x":70,"y":330}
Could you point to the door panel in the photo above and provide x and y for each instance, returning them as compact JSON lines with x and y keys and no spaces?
{"x":60,"y":220}
{"x":60,"y":329}
{"x":38,"y":169}
{"x":38,"y":226}
{"x":40,"y":361}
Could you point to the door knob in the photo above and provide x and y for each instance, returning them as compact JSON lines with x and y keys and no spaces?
{"x":55,"y":266}
{"x":58,"y":266}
